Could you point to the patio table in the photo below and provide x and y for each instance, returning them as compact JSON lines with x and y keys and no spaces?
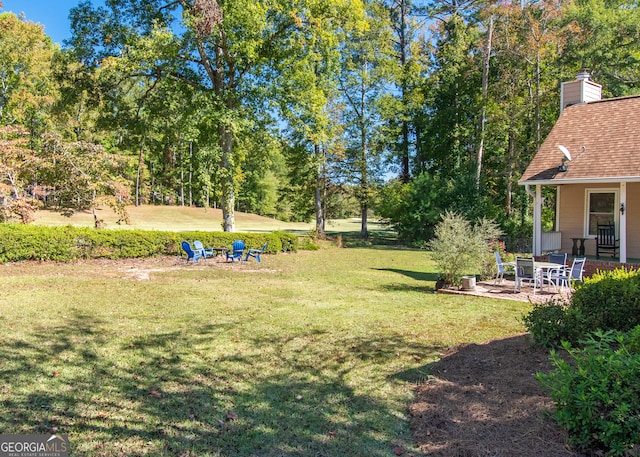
{"x":548,"y":267}
{"x":213,"y":252}
{"x":577,"y":250}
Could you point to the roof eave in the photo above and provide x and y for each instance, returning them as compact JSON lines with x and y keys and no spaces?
{"x":557,"y":182}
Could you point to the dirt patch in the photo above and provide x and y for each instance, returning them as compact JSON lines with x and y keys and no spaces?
{"x":484,"y":400}
{"x":141,"y":269}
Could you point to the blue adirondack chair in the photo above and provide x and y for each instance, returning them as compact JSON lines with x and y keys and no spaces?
{"x":206,"y":252}
{"x":192,"y":254}
{"x":237,"y":249}
{"x":255,"y":253}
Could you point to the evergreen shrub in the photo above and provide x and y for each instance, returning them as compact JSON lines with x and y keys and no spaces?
{"x":597,"y":393}
{"x":608,"y":300}
{"x":20,"y":242}
{"x":549,"y":323}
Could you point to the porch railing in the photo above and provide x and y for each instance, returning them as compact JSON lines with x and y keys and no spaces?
{"x":551,"y":241}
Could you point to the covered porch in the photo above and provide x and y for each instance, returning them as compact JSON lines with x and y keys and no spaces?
{"x":580,"y":207}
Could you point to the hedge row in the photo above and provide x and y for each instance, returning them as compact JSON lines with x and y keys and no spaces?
{"x":608,"y":300}
{"x":64,"y":244}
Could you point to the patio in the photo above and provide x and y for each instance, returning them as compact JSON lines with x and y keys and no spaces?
{"x":506,"y":291}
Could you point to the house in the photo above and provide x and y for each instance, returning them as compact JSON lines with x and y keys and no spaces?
{"x":592,"y":159}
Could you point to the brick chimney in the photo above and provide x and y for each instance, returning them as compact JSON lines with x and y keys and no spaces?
{"x":581,"y":90}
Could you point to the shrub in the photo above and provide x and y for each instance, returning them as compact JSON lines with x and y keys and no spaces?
{"x":550,"y":323}
{"x":597,"y":394}
{"x":63,"y":244}
{"x":608,"y":300}
{"x":459,"y":247}
{"x":632,"y":340}
{"x":489,"y":268}
{"x":308,"y":244}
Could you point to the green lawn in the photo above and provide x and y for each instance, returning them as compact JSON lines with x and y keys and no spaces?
{"x":184,"y":218}
{"x":307,"y":354}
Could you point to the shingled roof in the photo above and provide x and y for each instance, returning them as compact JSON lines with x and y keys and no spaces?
{"x":603,"y":138}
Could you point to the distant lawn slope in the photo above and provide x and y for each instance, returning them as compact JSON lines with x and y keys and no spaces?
{"x":184,"y":218}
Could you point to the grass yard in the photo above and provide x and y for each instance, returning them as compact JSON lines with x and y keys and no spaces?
{"x":307,"y":354}
{"x":185,"y":218}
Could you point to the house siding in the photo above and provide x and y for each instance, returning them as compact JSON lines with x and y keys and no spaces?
{"x":572,"y":201}
{"x":571,"y":93}
{"x":579,"y":91}
{"x":632,"y":211}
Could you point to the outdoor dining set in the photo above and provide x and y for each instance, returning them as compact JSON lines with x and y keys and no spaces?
{"x":554,"y":273}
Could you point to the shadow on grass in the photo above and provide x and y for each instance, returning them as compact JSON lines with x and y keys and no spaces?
{"x":194,"y":392}
{"x":416,"y":275}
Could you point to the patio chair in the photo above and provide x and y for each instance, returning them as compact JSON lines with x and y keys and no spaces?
{"x":237,"y":249}
{"x":192,"y":254}
{"x":526,"y":272}
{"x":551,"y":275}
{"x":501,"y":268}
{"x":560,"y":259}
{"x":571,"y":276}
{"x":206,"y":252}
{"x":255,"y":253}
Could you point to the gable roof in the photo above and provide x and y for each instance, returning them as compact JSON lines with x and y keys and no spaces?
{"x":603,"y":138}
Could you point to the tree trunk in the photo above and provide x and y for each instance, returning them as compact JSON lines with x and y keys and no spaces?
{"x":324,"y":189}
{"x":139,"y":172}
{"x":181,"y":159}
{"x":190,"y":173}
{"x":227,"y":186}
{"x":364,"y":176}
{"x":485,"y":91}
{"x":405,"y":176}
{"x":318,"y":195}
{"x":364,"y":231}
{"x":511,"y":171}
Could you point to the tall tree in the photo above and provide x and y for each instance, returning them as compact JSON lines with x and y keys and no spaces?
{"x":363,"y":80}
{"x":407,"y":22}
{"x":311,"y":84}
{"x":447,"y":146}
{"x":228,"y":51}
{"x":27,"y":91}
{"x":604,"y":37}
{"x":521,"y":105}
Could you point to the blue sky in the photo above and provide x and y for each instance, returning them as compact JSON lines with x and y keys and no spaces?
{"x":52,"y":14}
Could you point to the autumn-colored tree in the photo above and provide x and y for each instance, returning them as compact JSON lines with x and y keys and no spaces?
{"x":82,"y":176}
{"x":17,"y":170}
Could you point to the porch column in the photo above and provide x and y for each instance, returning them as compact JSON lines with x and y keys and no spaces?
{"x":537,"y":221}
{"x":623,"y":222}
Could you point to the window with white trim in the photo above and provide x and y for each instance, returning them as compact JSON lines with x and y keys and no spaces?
{"x":601,"y":207}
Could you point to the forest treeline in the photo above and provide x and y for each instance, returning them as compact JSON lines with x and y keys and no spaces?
{"x":302,"y":109}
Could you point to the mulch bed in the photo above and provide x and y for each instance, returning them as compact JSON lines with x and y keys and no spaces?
{"x":483,"y":400}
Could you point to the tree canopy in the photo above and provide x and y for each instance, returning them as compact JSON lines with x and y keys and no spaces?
{"x":301,"y":109}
